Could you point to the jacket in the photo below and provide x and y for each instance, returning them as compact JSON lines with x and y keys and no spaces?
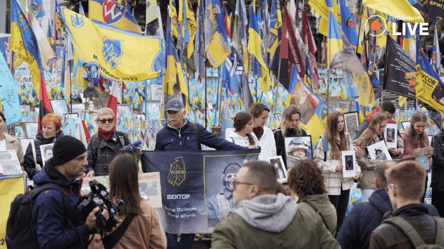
{"x":267,"y":144}
{"x":144,"y":232}
{"x":333,"y":180}
{"x":389,"y":236}
{"x":101,"y":153}
{"x":48,"y":214}
{"x":29,"y":163}
{"x":12,"y":143}
{"x":367,"y":179}
{"x":232,"y":136}
{"x":363,"y":219}
{"x":169,"y":138}
{"x":280,"y":141}
{"x":272,"y":221}
{"x":325,"y":208}
{"x":438,"y":162}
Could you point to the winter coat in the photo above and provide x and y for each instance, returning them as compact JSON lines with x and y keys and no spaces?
{"x":232,"y":136}
{"x":144,"y":232}
{"x":185,"y":138}
{"x":325,"y":208}
{"x":389,"y":236}
{"x":101,"y":153}
{"x":363,"y":219}
{"x":333,"y":180}
{"x":29,"y":163}
{"x":12,"y":143}
{"x":280,"y":141}
{"x":267,"y":144}
{"x":367,"y":179}
{"x":48,"y":215}
{"x":272,"y":221}
{"x":438,"y":162}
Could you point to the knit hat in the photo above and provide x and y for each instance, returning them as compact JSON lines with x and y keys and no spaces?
{"x":67,"y":148}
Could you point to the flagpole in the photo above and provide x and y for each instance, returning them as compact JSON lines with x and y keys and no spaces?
{"x":328,"y":89}
{"x":359,"y":29}
{"x":205,"y":104}
{"x":11,"y":59}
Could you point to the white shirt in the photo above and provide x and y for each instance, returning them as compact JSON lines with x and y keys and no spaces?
{"x":267,"y":144}
{"x":3,"y":145}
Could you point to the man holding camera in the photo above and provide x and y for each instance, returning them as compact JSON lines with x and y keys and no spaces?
{"x":52,"y":226}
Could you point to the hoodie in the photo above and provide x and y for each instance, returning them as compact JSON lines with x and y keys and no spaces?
{"x":235,"y":138}
{"x":268,"y":212}
{"x":48,"y":214}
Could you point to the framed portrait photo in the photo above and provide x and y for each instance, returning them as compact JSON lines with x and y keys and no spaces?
{"x":391,"y":135}
{"x":379,"y":151}
{"x":78,"y":108}
{"x":9,"y":163}
{"x":281,"y":171}
{"x":298,"y":148}
{"x":348,"y":163}
{"x":46,"y":152}
{"x":157,"y":92}
{"x":351,"y":120}
{"x":59,"y":107}
{"x":430,"y":137}
{"x":31,"y":129}
{"x":19,"y":130}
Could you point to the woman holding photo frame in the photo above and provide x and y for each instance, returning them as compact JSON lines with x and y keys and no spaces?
{"x":373,"y":134}
{"x":330,"y":163}
{"x":289,"y":128}
{"x":415,"y":138}
{"x":8,"y":142}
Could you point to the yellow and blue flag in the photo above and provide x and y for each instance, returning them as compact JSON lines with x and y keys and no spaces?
{"x":399,"y":9}
{"x":256,"y":49}
{"x":307,"y":79}
{"x":115,"y":13}
{"x":49,"y":34}
{"x":409,"y":44}
{"x":275,"y":24}
{"x":122,"y":55}
{"x":24,"y":43}
{"x":348,"y":22}
{"x":173,"y":15}
{"x":218,"y":49}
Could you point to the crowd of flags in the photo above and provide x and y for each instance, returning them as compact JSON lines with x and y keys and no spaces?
{"x":269,"y":45}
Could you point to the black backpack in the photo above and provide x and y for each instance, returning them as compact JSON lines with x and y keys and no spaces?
{"x":20,"y":226}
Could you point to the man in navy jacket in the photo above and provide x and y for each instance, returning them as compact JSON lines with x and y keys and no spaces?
{"x":367,"y":216}
{"x":181,"y":134}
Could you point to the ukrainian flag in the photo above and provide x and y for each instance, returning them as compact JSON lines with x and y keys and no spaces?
{"x":409,"y":45}
{"x":255,"y":48}
{"x":173,"y":16}
{"x":49,"y":34}
{"x":24,"y":43}
{"x":275,"y":24}
{"x":334,"y":42}
{"x":401,"y":8}
{"x":115,"y":13}
{"x":307,"y":79}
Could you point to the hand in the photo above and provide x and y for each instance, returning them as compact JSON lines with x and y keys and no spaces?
{"x":431,"y":152}
{"x":25,"y":173}
{"x":415,"y":153}
{"x":90,"y":174}
{"x":252,"y":147}
{"x":394,"y":151}
{"x":339,"y":168}
{"x":91,"y":219}
{"x":114,"y":228}
{"x":359,"y":152}
{"x":356,"y":177}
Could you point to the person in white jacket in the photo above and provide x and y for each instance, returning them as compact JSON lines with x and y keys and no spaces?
{"x":242,"y":134}
{"x":264,"y":134}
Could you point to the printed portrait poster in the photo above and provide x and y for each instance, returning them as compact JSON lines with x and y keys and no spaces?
{"x":281,"y":171}
{"x":348,"y":163}
{"x":391,"y":135}
{"x":46,"y":152}
{"x":9,"y":163}
{"x":298,"y":148}
{"x":379,"y":151}
{"x":197,"y":186}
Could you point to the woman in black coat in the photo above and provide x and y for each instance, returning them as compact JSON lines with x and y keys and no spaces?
{"x":289,"y":128}
{"x":437,"y":183}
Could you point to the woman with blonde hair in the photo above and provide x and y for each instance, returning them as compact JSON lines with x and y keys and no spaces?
{"x":328,"y":158}
{"x":373,"y":134}
{"x":289,"y":128}
{"x":145,"y":229}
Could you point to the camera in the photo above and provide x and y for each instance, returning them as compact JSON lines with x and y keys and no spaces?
{"x":99,"y":197}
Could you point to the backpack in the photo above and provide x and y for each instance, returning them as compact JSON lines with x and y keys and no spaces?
{"x":413,"y":235}
{"x":20,"y":226}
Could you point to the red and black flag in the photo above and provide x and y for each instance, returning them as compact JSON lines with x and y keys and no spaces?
{"x":45,"y":105}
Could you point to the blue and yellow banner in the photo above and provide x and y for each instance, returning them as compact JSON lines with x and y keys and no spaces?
{"x":115,"y":13}
{"x":195,"y":185}
{"x":429,"y":88}
{"x":121,"y":55}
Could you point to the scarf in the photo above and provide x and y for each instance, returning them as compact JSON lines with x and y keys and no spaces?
{"x":106,"y":135}
{"x":258,"y":131}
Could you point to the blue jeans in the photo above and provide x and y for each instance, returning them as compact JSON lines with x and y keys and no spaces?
{"x":186,"y":241}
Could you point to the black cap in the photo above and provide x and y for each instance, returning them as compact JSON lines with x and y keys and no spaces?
{"x":65,"y":149}
{"x":174,"y":105}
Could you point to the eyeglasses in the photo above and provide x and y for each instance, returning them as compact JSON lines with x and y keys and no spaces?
{"x":109,"y":120}
{"x":393,"y":186}
{"x":235,"y":182}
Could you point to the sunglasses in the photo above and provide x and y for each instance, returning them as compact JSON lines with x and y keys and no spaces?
{"x":109,"y":120}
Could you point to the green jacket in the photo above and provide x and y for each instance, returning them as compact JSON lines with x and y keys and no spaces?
{"x":306,"y":230}
{"x":325,"y":208}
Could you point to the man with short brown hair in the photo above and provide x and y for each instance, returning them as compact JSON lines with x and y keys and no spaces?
{"x":405,"y":186}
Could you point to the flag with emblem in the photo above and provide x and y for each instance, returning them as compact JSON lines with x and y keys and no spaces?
{"x":218,"y":48}
{"x":115,"y":13}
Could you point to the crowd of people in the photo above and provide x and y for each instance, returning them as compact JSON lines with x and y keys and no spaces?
{"x":307,"y":211}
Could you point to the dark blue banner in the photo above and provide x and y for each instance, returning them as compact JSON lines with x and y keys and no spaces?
{"x":196,"y":186}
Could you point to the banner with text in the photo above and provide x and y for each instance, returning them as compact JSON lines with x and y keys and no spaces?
{"x":196,"y":186}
